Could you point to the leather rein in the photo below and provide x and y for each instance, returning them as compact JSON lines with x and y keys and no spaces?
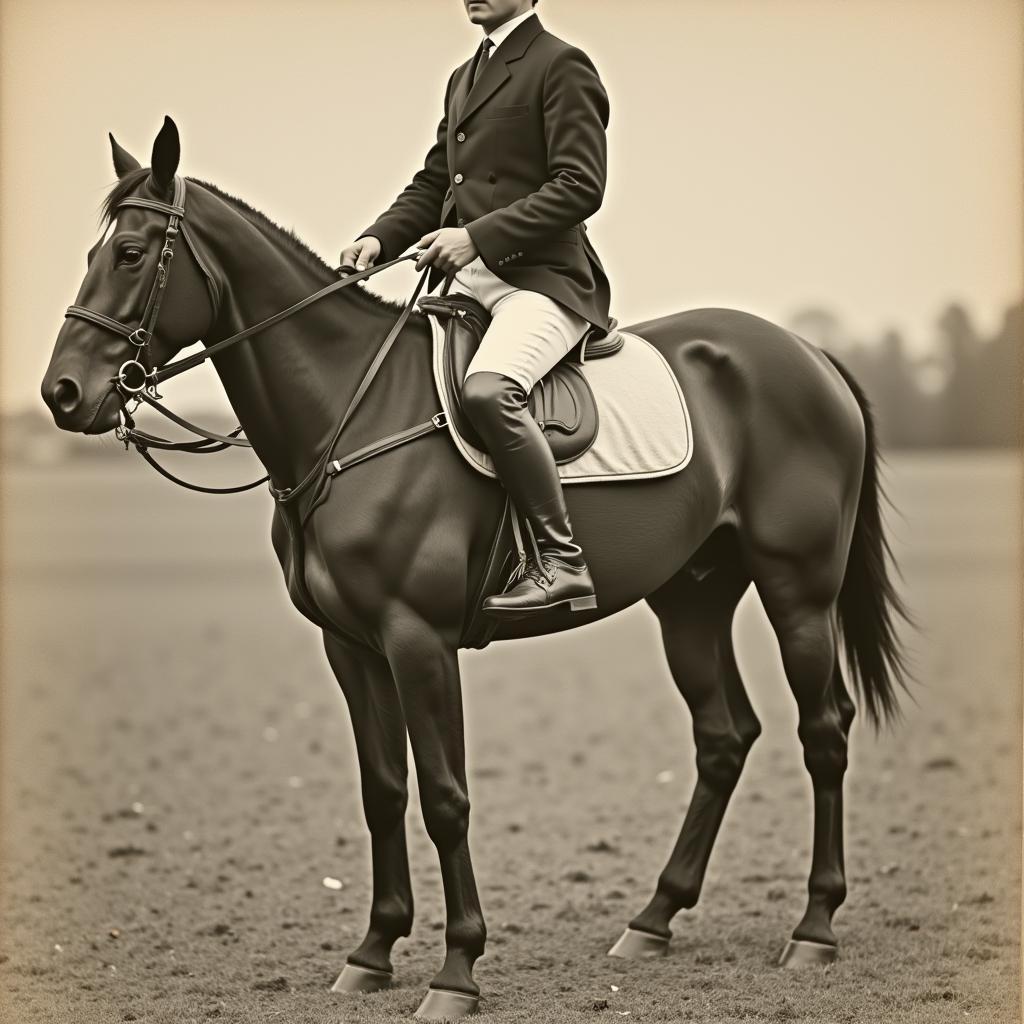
{"x":137,"y":379}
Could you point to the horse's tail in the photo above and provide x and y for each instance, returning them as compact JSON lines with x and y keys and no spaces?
{"x":868,"y":602}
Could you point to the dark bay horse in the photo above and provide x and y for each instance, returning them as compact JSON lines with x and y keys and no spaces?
{"x":782,"y":492}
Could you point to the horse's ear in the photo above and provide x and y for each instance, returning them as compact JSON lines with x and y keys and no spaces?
{"x":123,"y":160}
{"x":166,"y":153}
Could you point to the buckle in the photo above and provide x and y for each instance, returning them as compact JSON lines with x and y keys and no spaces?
{"x":439,"y":419}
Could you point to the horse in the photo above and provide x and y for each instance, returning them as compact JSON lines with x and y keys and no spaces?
{"x":782,"y":493}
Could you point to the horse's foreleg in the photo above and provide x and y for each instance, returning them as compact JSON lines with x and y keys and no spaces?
{"x":426,"y":668}
{"x":379,"y":725}
{"x":696,"y":620}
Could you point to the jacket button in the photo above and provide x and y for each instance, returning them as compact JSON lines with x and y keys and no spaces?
{"x":492,"y":177}
{"x":458,"y":179}
{"x":500,"y":262}
{"x":520,"y":253}
{"x":461,"y":137}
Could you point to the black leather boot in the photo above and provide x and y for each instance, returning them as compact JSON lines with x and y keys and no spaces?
{"x":496,"y":405}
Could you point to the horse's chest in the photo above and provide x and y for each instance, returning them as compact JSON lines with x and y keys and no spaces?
{"x":334,"y":578}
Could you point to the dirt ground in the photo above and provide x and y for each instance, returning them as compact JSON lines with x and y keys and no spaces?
{"x":179,"y":778}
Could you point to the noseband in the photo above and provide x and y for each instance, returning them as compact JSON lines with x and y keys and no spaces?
{"x":137,"y":378}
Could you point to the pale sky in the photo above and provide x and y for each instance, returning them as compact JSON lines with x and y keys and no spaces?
{"x":763,"y":154}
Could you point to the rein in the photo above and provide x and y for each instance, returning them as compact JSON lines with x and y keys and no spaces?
{"x":135,"y":382}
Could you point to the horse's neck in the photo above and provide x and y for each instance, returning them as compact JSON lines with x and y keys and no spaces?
{"x":289,"y":384}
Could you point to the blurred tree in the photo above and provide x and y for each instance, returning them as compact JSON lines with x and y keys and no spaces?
{"x":960,"y":401}
{"x":820,"y":326}
{"x":903,"y":418}
{"x":998,"y":377}
{"x":966,"y":391}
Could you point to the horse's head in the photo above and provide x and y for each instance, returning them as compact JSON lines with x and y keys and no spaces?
{"x":114,"y":333}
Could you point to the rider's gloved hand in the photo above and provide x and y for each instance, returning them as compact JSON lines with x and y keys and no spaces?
{"x":362,"y":253}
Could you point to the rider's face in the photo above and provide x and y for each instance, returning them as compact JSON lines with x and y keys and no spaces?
{"x":491,"y":13}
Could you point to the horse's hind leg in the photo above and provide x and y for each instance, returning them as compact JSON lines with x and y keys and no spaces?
{"x":381,"y":743}
{"x":806,"y":629}
{"x":696,"y":625}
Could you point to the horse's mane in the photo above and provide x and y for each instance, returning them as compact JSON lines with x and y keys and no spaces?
{"x":131,"y":181}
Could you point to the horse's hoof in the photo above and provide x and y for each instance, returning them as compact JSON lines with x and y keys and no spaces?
{"x":635,"y":945}
{"x":446,"y":1004}
{"x":354,"y":978}
{"x":801,"y":953}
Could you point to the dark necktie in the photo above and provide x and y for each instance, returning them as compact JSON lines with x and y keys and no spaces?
{"x":481,"y":60}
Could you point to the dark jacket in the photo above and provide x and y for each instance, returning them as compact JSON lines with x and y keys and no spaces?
{"x":520,"y":163}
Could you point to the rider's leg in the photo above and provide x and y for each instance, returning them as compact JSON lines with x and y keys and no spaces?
{"x":496,"y":405}
{"x":528,"y":334}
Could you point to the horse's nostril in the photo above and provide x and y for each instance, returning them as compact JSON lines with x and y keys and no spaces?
{"x":67,"y":394}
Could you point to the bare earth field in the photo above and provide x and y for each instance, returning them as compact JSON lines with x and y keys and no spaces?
{"x":179,"y":778}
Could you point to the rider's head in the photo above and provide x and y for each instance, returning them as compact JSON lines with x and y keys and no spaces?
{"x":489,"y":14}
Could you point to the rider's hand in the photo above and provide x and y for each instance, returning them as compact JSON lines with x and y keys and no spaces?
{"x":361,"y":253}
{"x":447,"y":249}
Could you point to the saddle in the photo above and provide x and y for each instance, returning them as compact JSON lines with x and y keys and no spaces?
{"x":562,"y":402}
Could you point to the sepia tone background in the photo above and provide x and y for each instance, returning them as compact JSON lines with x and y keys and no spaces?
{"x":177,"y":764}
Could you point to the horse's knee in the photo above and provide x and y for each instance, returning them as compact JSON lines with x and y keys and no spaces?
{"x":721,"y":755}
{"x":446,"y":816}
{"x":384,"y":807}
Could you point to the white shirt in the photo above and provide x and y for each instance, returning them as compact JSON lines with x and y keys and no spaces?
{"x":503,"y":30}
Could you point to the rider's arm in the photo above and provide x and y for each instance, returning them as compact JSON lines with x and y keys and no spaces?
{"x":575,"y":119}
{"x":417,"y":209}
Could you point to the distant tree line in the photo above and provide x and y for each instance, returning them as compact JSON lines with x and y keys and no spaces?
{"x":964,"y":391}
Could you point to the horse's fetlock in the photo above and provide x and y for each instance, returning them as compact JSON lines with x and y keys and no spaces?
{"x":468,"y":934}
{"x":828,"y":887}
{"x":681,"y":893}
{"x":392,"y":916}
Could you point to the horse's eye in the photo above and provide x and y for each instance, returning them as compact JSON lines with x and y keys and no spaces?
{"x":131,"y":255}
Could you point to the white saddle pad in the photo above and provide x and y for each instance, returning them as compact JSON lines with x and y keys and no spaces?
{"x":643,"y":423}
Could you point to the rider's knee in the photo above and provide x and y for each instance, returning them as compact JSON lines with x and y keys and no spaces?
{"x":484,"y":394}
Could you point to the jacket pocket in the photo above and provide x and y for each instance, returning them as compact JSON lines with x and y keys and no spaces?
{"x":515,"y":111}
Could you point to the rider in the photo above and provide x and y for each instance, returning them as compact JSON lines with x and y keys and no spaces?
{"x":518,"y":165}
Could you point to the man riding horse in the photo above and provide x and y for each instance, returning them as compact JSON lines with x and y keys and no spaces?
{"x":518,"y":165}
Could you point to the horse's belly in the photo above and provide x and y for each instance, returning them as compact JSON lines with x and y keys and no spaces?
{"x":635,"y":537}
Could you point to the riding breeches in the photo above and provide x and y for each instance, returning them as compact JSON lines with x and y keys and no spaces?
{"x":529,"y":332}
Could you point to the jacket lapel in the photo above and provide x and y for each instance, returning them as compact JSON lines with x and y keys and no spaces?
{"x":496,"y":73}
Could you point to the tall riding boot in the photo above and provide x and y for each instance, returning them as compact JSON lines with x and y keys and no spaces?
{"x":497,"y":407}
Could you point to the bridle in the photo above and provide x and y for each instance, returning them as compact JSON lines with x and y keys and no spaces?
{"x":137,"y":379}
{"x":133,"y":376}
